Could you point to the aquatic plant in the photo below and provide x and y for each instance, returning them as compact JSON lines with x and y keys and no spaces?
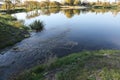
{"x":37,"y":25}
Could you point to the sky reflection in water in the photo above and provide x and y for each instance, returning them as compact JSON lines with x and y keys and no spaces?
{"x":90,"y":29}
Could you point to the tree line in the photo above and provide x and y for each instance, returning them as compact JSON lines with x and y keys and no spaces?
{"x":12,"y":4}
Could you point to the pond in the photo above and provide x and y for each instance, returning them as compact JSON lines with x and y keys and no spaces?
{"x":66,"y":31}
{"x":86,"y":29}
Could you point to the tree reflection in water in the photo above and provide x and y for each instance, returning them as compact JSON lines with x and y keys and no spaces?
{"x":69,"y":13}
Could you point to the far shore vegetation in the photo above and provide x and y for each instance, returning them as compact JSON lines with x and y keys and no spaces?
{"x":17,"y":5}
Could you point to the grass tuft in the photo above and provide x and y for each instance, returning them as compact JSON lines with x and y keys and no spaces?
{"x":37,"y":25}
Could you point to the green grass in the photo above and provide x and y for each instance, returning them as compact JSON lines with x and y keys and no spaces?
{"x":86,"y":65}
{"x":14,"y":10}
{"x":11,"y":31}
{"x":106,"y":7}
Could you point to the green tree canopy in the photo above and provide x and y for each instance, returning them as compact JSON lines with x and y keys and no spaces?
{"x":72,"y":2}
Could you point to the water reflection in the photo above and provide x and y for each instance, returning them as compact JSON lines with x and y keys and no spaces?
{"x":33,"y":14}
{"x":69,"y":13}
{"x":91,"y":29}
{"x":36,"y":13}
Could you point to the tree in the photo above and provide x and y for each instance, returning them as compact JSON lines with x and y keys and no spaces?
{"x":69,"y":2}
{"x":31,"y":5}
{"x":8,"y":4}
{"x":15,"y":2}
{"x":77,"y":2}
{"x":11,"y":4}
{"x":44,"y":4}
{"x":54,"y":4}
{"x":72,"y":2}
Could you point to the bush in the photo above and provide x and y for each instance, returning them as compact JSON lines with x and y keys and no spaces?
{"x":37,"y":25}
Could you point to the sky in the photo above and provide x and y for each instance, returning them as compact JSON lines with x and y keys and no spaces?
{"x":1,"y":3}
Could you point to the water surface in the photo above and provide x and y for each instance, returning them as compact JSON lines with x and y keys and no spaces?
{"x":89,"y":29}
{"x":66,"y":31}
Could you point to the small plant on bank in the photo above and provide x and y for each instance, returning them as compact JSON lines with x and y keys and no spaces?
{"x":37,"y":25}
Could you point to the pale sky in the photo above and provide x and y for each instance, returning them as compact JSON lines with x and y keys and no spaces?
{"x":1,"y":2}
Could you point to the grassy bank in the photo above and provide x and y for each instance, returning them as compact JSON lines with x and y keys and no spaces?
{"x":11,"y":31}
{"x":86,"y":65}
{"x":14,"y":10}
